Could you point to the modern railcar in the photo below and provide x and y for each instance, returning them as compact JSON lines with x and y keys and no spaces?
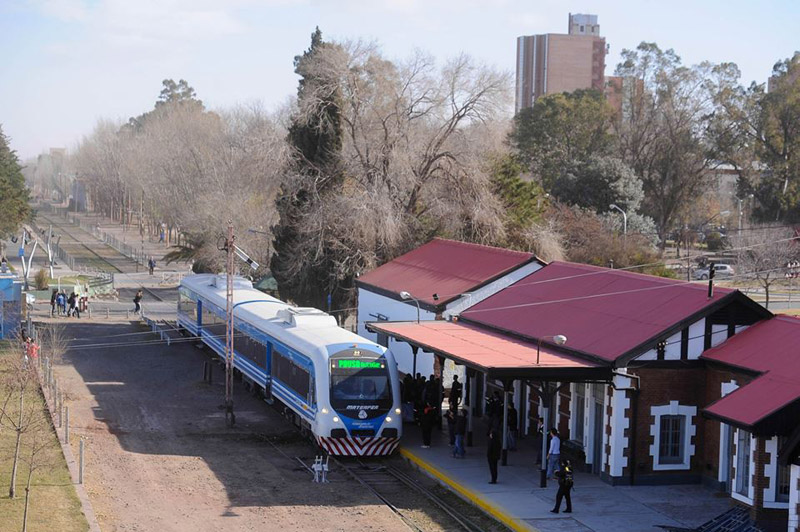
{"x":341,"y":387}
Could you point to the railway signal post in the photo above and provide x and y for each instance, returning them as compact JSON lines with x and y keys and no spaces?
{"x":230,"y":418}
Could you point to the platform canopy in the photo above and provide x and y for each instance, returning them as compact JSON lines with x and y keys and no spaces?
{"x":498,"y":355}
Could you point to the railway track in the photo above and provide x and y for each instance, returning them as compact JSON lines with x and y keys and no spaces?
{"x":95,"y":259}
{"x":392,"y":486}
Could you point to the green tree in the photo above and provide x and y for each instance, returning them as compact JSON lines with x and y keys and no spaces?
{"x":14,"y":195}
{"x":314,"y":175}
{"x":598,"y":182}
{"x":562,"y":130}
{"x":523,"y":201}
{"x":661,"y":130}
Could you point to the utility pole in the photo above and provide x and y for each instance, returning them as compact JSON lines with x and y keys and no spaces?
{"x":230,"y":418}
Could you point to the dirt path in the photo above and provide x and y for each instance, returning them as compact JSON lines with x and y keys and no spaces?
{"x":159,"y":457}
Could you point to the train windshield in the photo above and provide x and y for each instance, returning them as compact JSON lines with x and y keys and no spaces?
{"x":360,"y":384}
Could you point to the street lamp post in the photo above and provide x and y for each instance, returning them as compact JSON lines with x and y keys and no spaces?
{"x":405,"y":295}
{"x":624,"y":218}
{"x":559,"y":339}
{"x":741,"y":212}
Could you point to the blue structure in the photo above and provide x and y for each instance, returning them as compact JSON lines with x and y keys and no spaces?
{"x":10,"y":305}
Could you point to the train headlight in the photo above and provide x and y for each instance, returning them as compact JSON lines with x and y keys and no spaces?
{"x":388,"y":419}
{"x":335,"y":419}
{"x":324,"y":410}
{"x":397,"y":411}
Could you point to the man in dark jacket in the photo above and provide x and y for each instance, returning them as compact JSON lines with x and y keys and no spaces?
{"x":455,"y":391}
{"x":427,"y":422}
{"x":512,"y":427}
{"x":565,"y":482}
{"x":493,"y":453}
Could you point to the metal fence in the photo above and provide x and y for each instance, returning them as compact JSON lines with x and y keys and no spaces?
{"x":137,"y":255}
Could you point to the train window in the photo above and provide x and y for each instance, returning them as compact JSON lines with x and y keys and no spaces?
{"x":290,"y":374}
{"x":187,"y":306}
{"x":251,"y":349}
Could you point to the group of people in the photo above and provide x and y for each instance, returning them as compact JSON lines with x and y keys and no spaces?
{"x":63,"y":305}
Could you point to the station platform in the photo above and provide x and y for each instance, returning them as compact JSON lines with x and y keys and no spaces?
{"x":518,"y":502}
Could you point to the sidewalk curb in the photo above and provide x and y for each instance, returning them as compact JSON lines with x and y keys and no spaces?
{"x":466,"y":493}
{"x":72,"y":465}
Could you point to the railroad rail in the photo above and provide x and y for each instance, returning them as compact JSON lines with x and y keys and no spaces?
{"x":376,"y":477}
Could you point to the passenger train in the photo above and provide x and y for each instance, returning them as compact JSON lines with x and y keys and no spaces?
{"x":341,"y":387}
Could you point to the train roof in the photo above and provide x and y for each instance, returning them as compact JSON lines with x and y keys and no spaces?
{"x":302,"y":328}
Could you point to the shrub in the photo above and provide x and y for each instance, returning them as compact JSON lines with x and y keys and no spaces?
{"x":714,"y":241}
{"x":42,"y":280}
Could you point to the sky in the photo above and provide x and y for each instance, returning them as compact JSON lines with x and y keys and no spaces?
{"x":65,"y":64}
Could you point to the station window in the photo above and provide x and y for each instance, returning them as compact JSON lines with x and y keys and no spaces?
{"x":579,"y":412}
{"x":782,"y":494}
{"x":671,"y":439}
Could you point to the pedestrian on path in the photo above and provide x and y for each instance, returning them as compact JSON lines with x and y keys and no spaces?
{"x":565,"y":483}
{"x":493,"y":452}
{"x":73,"y":307}
{"x":553,"y":454}
{"x":151,"y":264}
{"x":136,"y":300}
{"x":460,"y":431}
{"x":61,"y":301}
{"x":427,"y":422}
{"x":53,"y":298}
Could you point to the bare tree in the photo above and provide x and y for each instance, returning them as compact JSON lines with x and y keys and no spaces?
{"x":38,"y":453}
{"x":53,"y":341}
{"x":18,"y":409}
{"x":764,"y":253}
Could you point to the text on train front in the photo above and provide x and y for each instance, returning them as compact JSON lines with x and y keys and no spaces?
{"x":360,"y":385}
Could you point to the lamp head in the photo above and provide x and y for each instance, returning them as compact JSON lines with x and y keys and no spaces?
{"x":560,"y":339}
{"x":613,"y":206}
{"x":405,"y":295}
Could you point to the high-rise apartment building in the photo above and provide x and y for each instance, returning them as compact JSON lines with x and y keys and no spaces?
{"x":553,"y":63}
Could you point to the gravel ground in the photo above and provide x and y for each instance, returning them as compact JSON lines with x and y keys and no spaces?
{"x":159,"y":456}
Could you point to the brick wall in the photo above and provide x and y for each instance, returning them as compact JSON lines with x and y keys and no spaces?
{"x":659,"y":386}
{"x":709,"y":454}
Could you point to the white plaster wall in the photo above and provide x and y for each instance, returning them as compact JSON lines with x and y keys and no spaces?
{"x":672,"y":351}
{"x":673,"y":409}
{"x":697,"y":331}
{"x":473,"y":298}
{"x":771,"y":472}
{"x":719,"y":333}
{"x":371,"y":304}
{"x":619,"y":422}
{"x":723,"y":468}
{"x":794,"y":499}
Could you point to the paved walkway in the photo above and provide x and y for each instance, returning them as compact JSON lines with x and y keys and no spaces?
{"x":519,"y":502}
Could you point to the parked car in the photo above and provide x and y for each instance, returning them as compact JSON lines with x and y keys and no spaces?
{"x":721,"y":271}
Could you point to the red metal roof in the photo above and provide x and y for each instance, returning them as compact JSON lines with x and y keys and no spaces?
{"x":602,"y":312}
{"x":445,"y":267}
{"x":479,"y":348}
{"x":770,"y":347}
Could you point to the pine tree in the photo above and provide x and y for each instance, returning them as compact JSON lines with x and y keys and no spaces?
{"x":314,"y":174}
{"x":14,"y":195}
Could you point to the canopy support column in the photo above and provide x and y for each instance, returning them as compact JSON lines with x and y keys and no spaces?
{"x":506,"y":392}
{"x":470,"y":410}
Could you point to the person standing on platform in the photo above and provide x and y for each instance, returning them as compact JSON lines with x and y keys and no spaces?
{"x":455,"y":391}
{"x":539,"y":436}
{"x":451,"y":416}
{"x":512,"y":427}
{"x":553,"y":454}
{"x":460,"y":431}
{"x":493,"y":452}
{"x":53,"y":298}
{"x":565,"y":483}
{"x":427,"y":421}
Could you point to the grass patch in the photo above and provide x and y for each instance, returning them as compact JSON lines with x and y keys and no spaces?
{"x":54,"y":505}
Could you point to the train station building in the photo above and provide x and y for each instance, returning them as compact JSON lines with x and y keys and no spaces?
{"x":659,"y":382}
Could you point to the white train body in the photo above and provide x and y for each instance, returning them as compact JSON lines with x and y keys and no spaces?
{"x":340,"y":386}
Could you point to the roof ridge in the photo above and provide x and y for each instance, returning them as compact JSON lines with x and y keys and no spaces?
{"x":627,"y":273}
{"x":475,"y":244}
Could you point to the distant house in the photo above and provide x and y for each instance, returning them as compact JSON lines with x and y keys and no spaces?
{"x":445,"y":277}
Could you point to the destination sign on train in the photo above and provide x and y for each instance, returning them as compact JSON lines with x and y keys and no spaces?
{"x":359,"y":364}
